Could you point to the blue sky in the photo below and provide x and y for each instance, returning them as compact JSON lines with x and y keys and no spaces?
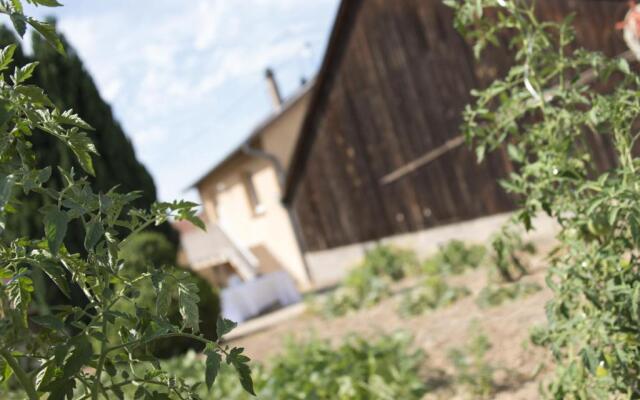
{"x":185,"y":78}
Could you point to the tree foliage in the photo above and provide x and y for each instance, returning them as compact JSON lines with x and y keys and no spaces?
{"x":545,"y":110}
{"x":95,"y":350}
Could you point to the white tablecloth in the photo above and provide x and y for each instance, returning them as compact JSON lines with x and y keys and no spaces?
{"x":248,"y":299}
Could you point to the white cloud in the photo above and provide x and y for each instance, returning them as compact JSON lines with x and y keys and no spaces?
{"x":173,"y":70}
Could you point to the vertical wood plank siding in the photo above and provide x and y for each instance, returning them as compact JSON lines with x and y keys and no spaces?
{"x":397,"y":91}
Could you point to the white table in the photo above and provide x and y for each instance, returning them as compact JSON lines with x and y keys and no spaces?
{"x":248,"y":299}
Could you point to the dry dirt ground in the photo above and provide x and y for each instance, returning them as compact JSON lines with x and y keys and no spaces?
{"x":436,"y":332}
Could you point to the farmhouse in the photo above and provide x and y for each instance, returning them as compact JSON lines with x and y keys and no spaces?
{"x":372,"y":150}
{"x":249,"y":231}
{"x":380,"y":153}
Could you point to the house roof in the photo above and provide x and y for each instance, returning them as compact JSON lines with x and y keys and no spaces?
{"x":260,"y":128}
{"x":340,"y":33}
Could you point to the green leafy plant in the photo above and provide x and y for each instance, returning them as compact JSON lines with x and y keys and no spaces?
{"x":552,"y":103}
{"x":71,"y":351}
{"x":432,"y":293}
{"x":144,"y":253}
{"x":495,"y":295}
{"x":454,"y":258}
{"x":509,"y":250}
{"x":472,"y":371}
{"x":386,"y":368}
{"x":360,"y":290}
{"x":389,"y":261}
{"x":369,"y":283}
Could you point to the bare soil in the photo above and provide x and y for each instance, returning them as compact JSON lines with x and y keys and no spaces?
{"x":437,"y":332}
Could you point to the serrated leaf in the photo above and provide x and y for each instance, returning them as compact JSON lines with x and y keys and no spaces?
{"x":23,"y":73}
{"x":48,"y":32}
{"x":212,"y":367}
{"x":82,"y":147}
{"x":69,"y":118}
{"x":239,"y":362}
{"x":46,"y":3}
{"x":163,"y":299}
{"x":17,"y":5}
{"x":20,"y":289}
{"x":34,"y":94}
{"x":224,"y":326}
{"x":6,"y":56}
{"x":94,"y":232}
{"x":19,"y":23}
{"x":55,"y":228}
{"x":57,"y":275}
{"x":188,"y":305}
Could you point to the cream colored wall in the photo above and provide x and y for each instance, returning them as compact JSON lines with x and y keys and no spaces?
{"x":281,"y":136}
{"x":270,"y":229}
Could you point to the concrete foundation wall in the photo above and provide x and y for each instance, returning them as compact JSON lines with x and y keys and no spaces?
{"x":328,"y":267}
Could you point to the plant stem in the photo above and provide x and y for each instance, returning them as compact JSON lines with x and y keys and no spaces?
{"x":22,"y":376}
{"x":103,"y":356}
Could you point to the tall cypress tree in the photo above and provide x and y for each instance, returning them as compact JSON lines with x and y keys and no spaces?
{"x":69,"y":85}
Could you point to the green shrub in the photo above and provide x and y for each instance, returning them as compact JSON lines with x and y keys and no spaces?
{"x":454,"y":258}
{"x":508,"y":253}
{"x":362,"y":291}
{"x":472,"y":371}
{"x":494,"y":295}
{"x":369,"y":283}
{"x":359,"y":368}
{"x":553,"y":112}
{"x":434,"y":292}
{"x":390,"y":261}
{"x":148,"y":250}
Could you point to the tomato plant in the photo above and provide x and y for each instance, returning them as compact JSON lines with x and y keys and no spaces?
{"x":97,"y":350}
{"x":556,"y":100}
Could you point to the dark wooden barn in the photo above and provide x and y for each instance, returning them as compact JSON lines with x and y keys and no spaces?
{"x":392,"y":87}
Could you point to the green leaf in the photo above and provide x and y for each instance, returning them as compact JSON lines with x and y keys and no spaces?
{"x":94,"y":232}
{"x":6,"y":56}
{"x":140,"y":391}
{"x":240,"y":363}
{"x":20,"y":289}
{"x":23,"y":73}
{"x":80,"y":356}
{"x":57,"y":275}
{"x":49,"y":321}
{"x":55,"y":228}
{"x":5,"y":370}
{"x":212,"y":366}
{"x":110,"y":368}
{"x":34,"y":94}
{"x":6,"y":187}
{"x":188,"y":304}
{"x":623,"y":65}
{"x":46,"y":3}
{"x":48,"y":31}
{"x":163,"y":299}
{"x":17,"y":6}
{"x":82,"y":147}
{"x":19,"y":23}
{"x":69,"y":118}
{"x":224,"y":326}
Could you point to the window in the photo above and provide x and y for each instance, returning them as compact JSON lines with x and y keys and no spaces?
{"x":254,"y":201}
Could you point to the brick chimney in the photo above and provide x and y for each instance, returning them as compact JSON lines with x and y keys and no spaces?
{"x":272,"y":86}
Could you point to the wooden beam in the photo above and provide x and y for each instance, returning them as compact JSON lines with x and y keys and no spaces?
{"x":585,"y":78}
